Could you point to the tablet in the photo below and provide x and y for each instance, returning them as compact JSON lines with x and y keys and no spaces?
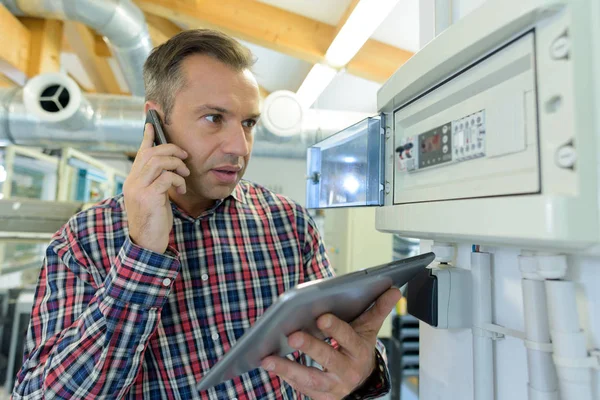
{"x":346,"y":296}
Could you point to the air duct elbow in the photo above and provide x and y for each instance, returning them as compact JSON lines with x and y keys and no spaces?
{"x":121,"y":22}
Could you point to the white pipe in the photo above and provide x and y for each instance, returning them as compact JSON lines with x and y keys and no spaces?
{"x":542,"y":374}
{"x":483,"y":348}
{"x":569,"y":342}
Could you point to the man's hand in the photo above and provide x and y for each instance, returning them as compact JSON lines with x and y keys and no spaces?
{"x":346,"y":368}
{"x":154,"y":171}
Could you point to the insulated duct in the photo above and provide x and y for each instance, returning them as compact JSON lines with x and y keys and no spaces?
{"x":51,"y":111}
{"x":121,"y":22}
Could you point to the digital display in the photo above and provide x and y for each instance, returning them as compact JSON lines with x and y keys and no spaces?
{"x":431,"y":144}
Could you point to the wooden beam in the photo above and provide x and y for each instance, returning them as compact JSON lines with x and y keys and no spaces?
{"x":250,"y":20}
{"x":45,"y":46}
{"x":5,"y":82}
{"x":81,"y":39}
{"x":15,"y":39}
{"x":65,"y":45}
{"x":100,"y":47}
{"x":277,"y":29}
{"x":160,"y":29}
{"x":377,"y":61}
{"x":81,"y":85}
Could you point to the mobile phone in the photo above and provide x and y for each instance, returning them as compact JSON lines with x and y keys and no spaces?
{"x":159,"y":133}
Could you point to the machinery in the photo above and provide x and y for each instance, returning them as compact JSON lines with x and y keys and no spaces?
{"x":86,"y":179}
{"x":489,"y":136}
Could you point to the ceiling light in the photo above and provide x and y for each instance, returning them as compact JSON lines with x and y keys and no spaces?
{"x":315,"y":82}
{"x":360,"y":25}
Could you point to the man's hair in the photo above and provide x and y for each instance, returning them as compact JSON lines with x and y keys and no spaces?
{"x":163,"y":77}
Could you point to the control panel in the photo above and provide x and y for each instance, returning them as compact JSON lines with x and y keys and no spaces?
{"x":455,"y":141}
{"x":475,"y":135}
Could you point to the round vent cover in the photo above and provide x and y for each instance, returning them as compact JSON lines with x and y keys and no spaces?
{"x":54,"y":98}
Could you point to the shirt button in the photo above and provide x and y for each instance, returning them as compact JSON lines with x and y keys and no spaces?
{"x":140,"y":348}
{"x":204,"y":277}
{"x":215,"y":336}
{"x":166,"y":282}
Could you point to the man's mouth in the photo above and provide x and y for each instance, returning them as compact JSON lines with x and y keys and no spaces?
{"x":226,"y":174}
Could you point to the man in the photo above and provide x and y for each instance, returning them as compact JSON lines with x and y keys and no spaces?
{"x":141,"y":295}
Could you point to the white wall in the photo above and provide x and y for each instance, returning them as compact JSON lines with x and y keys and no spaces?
{"x":446,"y":366}
{"x":283,"y":176}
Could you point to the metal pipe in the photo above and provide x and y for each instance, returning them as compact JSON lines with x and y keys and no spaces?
{"x":111,"y":123}
{"x":121,"y":23}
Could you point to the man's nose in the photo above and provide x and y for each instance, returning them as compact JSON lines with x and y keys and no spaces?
{"x":237,"y":142}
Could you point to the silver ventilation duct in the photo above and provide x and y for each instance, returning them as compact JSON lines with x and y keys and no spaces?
{"x":121,"y":22}
{"x":52,"y":112}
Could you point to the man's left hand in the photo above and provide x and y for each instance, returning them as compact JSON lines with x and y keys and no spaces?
{"x":345,"y":368}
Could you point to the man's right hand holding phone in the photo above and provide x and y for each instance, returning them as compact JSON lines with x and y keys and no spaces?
{"x":156,"y":169}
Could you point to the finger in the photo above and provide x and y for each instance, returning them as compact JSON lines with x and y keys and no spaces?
{"x":148,"y":140}
{"x":320,"y":351}
{"x":312,"y":394}
{"x":169,"y":149}
{"x":306,"y":378}
{"x":351,"y":342}
{"x":372,"y":319}
{"x":166,"y":180}
{"x":156,"y":165}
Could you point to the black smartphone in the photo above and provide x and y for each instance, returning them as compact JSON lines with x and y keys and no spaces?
{"x":159,"y":133}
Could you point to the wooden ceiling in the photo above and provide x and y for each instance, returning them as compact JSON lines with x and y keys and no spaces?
{"x":30,"y":46}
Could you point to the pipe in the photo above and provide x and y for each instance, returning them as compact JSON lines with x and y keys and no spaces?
{"x":121,"y":22}
{"x":542,"y":374}
{"x":483,"y":347}
{"x":96,"y":122}
{"x":284,"y":117}
{"x":569,"y":342}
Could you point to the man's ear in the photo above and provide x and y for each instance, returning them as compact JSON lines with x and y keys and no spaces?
{"x":149,"y":104}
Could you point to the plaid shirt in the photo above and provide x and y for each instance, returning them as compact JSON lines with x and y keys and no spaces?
{"x":112,"y":320}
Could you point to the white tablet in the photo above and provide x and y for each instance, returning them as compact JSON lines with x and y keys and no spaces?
{"x":346,"y":296}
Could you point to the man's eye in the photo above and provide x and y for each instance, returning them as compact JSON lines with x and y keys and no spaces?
{"x":214,"y":118}
{"x":249,"y":123}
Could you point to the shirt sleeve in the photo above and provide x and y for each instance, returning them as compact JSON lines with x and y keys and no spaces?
{"x":87,"y":339}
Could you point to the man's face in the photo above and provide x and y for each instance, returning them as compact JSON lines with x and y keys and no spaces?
{"x":212,"y":119}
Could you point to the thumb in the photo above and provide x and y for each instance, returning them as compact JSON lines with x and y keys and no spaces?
{"x":148,"y":140}
{"x":372,"y":319}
